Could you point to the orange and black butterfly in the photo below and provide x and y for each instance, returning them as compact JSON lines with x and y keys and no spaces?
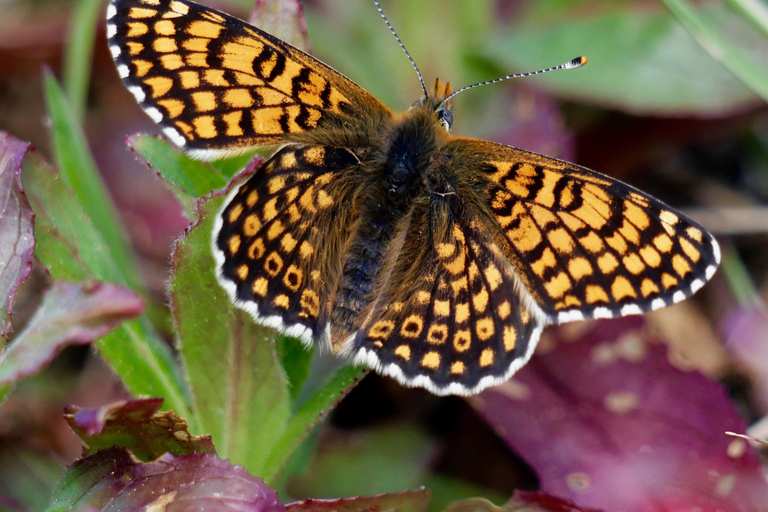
{"x":433,"y":259}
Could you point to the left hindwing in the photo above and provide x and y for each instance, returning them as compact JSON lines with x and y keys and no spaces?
{"x":217,"y":84}
{"x":586,"y":245}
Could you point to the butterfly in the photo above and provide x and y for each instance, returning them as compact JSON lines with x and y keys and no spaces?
{"x":434,"y":259}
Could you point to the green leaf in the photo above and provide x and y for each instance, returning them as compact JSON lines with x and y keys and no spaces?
{"x":733,"y":58}
{"x":640,"y":60}
{"x":78,"y":169}
{"x":308,"y":415}
{"x":78,"y":56}
{"x":240,"y":390}
{"x":71,"y":248}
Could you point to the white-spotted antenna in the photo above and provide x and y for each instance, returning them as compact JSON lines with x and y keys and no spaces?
{"x":571,"y":64}
{"x":397,"y":38}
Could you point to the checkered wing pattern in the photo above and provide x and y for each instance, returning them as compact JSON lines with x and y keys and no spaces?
{"x":279,"y":239}
{"x":218,"y":85}
{"x":449,"y":317}
{"x":586,"y":245}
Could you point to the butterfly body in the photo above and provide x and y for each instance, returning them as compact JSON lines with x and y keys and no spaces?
{"x":435,"y":259}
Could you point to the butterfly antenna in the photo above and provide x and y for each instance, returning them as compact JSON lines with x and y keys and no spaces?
{"x":571,"y":64}
{"x":397,"y":38}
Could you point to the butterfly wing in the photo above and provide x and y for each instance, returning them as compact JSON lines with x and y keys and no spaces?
{"x":217,"y":85}
{"x":586,"y":245}
{"x":279,"y":239}
{"x":448,"y":316}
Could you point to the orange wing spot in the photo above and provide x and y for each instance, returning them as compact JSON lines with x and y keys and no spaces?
{"x":694,"y":233}
{"x":633,"y":263}
{"x":689,"y":250}
{"x":525,"y":316}
{"x":546,"y":195}
{"x":412,"y":327}
{"x":288,"y":243}
{"x":276,"y":184}
{"x":198,"y":60}
{"x":480,"y":300}
{"x":196,"y":44}
{"x":592,"y":242}
{"x":315,"y":156}
{"x":275,"y":230}
{"x":142,"y":67}
{"x":462,"y":313}
{"x":423,"y":297}
{"x":504,"y":310}
{"x":238,"y":98}
{"x":579,"y":267}
{"x":137,"y":29}
{"x":273,"y":264}
{"x":621,"y":288}
{"x":546,"y":261}
{"x":184,"y":128}
{"x":630,"y":232}
{"x":636,"y":216}
{"x":235,"y":213}
{"x":648,"y":288}
{"x":288,"y":160}
{"x":457,"y":368}
{"x":442,"y":308}
{"x":215,"y":77}
{"x":179,"y":8}
{"x":323,"y":199}
{"x":256,"y":250}
{"x":669,"y":218}
{"x":382,"y":329}
{"x":485,"y":328}
{"x":458,"y":264}
{"x":668,"y":281}
{"x":493,"y":276}
{"x":681,"y":265}
{"x":397,"y":306}
{"x":174,"y":107}
{"x":593,"y":214}
{"x":310,"y":304}
{"x":189,"y":79}
{"x":242,"y":272}
{"x":595,"y":294}
{"x":171,"y":61}
{"x":160,"y":85}
{"x":459,"y":284}
{"x":141,"y":13}
{"x":134,"y":48}
{"x":251,"y":225}
{"x":306,"y":250}
{"x":431,"y":360}
{"x":651,"y":256}
{"x":204,"y":29}
{"x":486,"y":357}
{"x":571,"y":301}
{"x":252,"y":198}
{"x":607,"y":263}
{"x":663,"y":243}
{"x":234,"y":244}
{"x":164,"y":45}
{"x":437,"y":334}
{"x":204,"y":127}
{"x":558,"y":285}
{"x":617,"y":243}
{"x":282,"y":301}
{"x":270,"y":210}
{"x":445,"y":250}
{"x":560,"y":240}
{"x":204,"y":101}
{"x":462,"y":340}
{"x":293,"y":277}
{"x":232,"y":120}
{"x":260,"y":286}
{"x":510,"y":338}
{"x":403,"y":351}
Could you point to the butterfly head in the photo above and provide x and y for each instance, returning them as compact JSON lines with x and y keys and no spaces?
{"x":437,"y":103}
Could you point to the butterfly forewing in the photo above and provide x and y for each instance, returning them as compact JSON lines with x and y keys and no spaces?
{"x":588,"y":246}
{"x":280,"y":234}
{"x":216,"y":84}
{"x":448,"y":316}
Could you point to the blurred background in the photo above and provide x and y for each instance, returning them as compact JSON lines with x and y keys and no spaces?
{"x":672,"y":101}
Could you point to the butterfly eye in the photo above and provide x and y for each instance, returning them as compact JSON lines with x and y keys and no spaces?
{"x":446,"y":118}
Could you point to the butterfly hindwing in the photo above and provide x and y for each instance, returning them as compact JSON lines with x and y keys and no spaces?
{"x":448,"y":317}
{"x":280,"y":234}
{"x":216,"y":84}
{"x":586,"y":245}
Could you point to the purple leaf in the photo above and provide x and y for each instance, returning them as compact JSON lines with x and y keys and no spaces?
{"x":407,"y":501}
{"x":17,"y":239}
{"x":114,"y":480}
{"x":608,"y":422}
{"x":135,"y":424}
{"x":521,"y":502}
{"x":71,"y":314}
